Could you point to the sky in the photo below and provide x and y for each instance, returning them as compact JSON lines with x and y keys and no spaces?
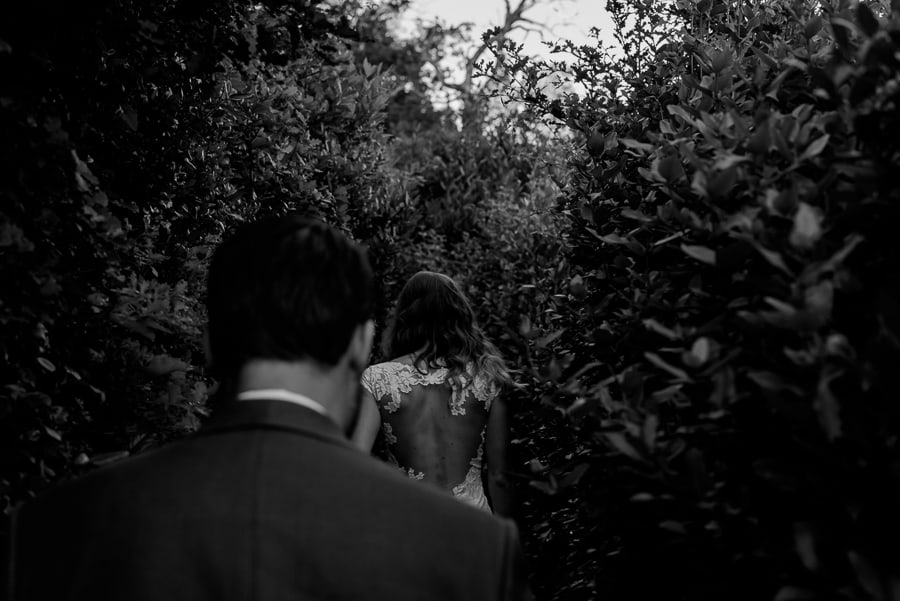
{"x":569,"y":19}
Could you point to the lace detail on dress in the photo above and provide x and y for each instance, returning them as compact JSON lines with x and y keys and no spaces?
{"x":413,"y":474}
{"x":485,"y":390}
{"x":393,"y":379}
{"x":388,"y":433}
{"x":388,"y":382}
{"x":471,"y":489}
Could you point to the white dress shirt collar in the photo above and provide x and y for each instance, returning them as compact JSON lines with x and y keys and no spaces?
{"x":280,"y":394}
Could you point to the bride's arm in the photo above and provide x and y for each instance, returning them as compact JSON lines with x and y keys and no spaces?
{"x":368,"y":423}
{"x":497,"y":447}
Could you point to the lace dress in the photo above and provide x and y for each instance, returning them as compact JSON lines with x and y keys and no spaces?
{"x":434,"y":424}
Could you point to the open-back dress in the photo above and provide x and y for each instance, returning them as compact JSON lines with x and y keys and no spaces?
{"x":434,"y":423}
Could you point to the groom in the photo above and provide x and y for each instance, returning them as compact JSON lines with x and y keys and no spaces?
{"x":268,"y":501}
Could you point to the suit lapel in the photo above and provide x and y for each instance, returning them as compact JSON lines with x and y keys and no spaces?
{"x":273,"y":415}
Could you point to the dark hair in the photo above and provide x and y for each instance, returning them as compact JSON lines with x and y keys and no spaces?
{"x":434,"y":319}
{"x":285,"y":288}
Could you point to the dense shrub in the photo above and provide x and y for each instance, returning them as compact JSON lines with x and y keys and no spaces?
{"x":706,"y":322}
{"x":724,"y":338}
{"x":125,"y":161}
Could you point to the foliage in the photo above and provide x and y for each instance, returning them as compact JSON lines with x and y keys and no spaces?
{"x":706,"y":320}
{"x":125,"y":163}
{"x":722,"y":341}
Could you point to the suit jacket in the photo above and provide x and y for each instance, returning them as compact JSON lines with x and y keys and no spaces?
{"x":268,"y":501}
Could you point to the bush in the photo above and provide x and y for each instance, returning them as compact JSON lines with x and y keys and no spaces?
{"x":126,"y":162}
{"x":722,"y":342}
{"x":123,"y":165}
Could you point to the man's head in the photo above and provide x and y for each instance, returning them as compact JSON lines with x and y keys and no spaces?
{"x":288,"y":289}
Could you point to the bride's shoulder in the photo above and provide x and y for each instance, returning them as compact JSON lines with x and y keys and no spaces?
{"x":385,"y":368}
{"x":388,"y":365}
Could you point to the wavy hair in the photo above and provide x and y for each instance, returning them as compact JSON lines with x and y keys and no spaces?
{"x":434,"y":321}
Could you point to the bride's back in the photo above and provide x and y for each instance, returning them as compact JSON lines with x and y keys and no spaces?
{"x":433,"y":422}
{"x":435,"y":397}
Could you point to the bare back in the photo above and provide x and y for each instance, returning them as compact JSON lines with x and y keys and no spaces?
{"x":434,"y":426}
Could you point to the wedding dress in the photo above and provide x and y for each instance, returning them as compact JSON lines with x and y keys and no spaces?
{"x":435,"y":424}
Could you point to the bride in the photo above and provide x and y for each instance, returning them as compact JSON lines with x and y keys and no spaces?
{"x":438,"y":401}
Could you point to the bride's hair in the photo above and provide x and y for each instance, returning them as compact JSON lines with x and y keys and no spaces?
{"x":434,"y":321}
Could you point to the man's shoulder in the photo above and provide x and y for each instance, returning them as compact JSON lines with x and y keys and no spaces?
{"x":120,"y":473}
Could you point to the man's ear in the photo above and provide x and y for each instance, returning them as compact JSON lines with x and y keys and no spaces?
{"x":361,"y":343}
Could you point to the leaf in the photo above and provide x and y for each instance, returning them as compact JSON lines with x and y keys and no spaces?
{"x":827,"y":405}
{"x":805,"y":546}
{"x":678,"y":111}
{"x":525,"y":328}
{"x":866,"y":574}
{"x":794,"y":593}
{"x":536,"y":466}
{"x":781,"y":306}
{"x":544,"y":487}
{"x":632,"y":144}
{"x":610,"y":238}
{"x":771,"y":256}
{"x":701,"y":253}
{"x":596,"y":142}
{"x":761,"y":140}
{"x":636,"y":215}
{"x":136,"y":327}
{"x":844,"y":31}
{"x":587,"y":213}
{"x":612,"y":141}
{"x":670,"y":168}
{"x":766,"y":380}
{"x":765,"y":58}
{"x":665,"y":366}
{"x":673,"y":526}
{"x":573,"y":477}
{"x":815,"y":147}
{"x":729,"y":160}
{"x":721,"y":60}
{"x":721,"y":183}
{"x":12,"y":234}
{"x":813,"y":26}
{"x":819,"y":300}
{"x":807,"y":226}
{"x":545,"y":341}
{"x":579,"y":406}
{"x":701,"y":350}
{"x":651,"y":175}
{"x":129,"y":116}
{"x":53,"y":433}
{"x":46,"y":364}
{"x":652,"y":324}
{"x":618,"y":442}
{"x":690,"y":81}
{"x":867,"y":19}
{"x":161,"y":365}
{"x":724,"y":81}
{"x":665,"y":394}
{"x":816,"y":270}
{"x":649,"y":431}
